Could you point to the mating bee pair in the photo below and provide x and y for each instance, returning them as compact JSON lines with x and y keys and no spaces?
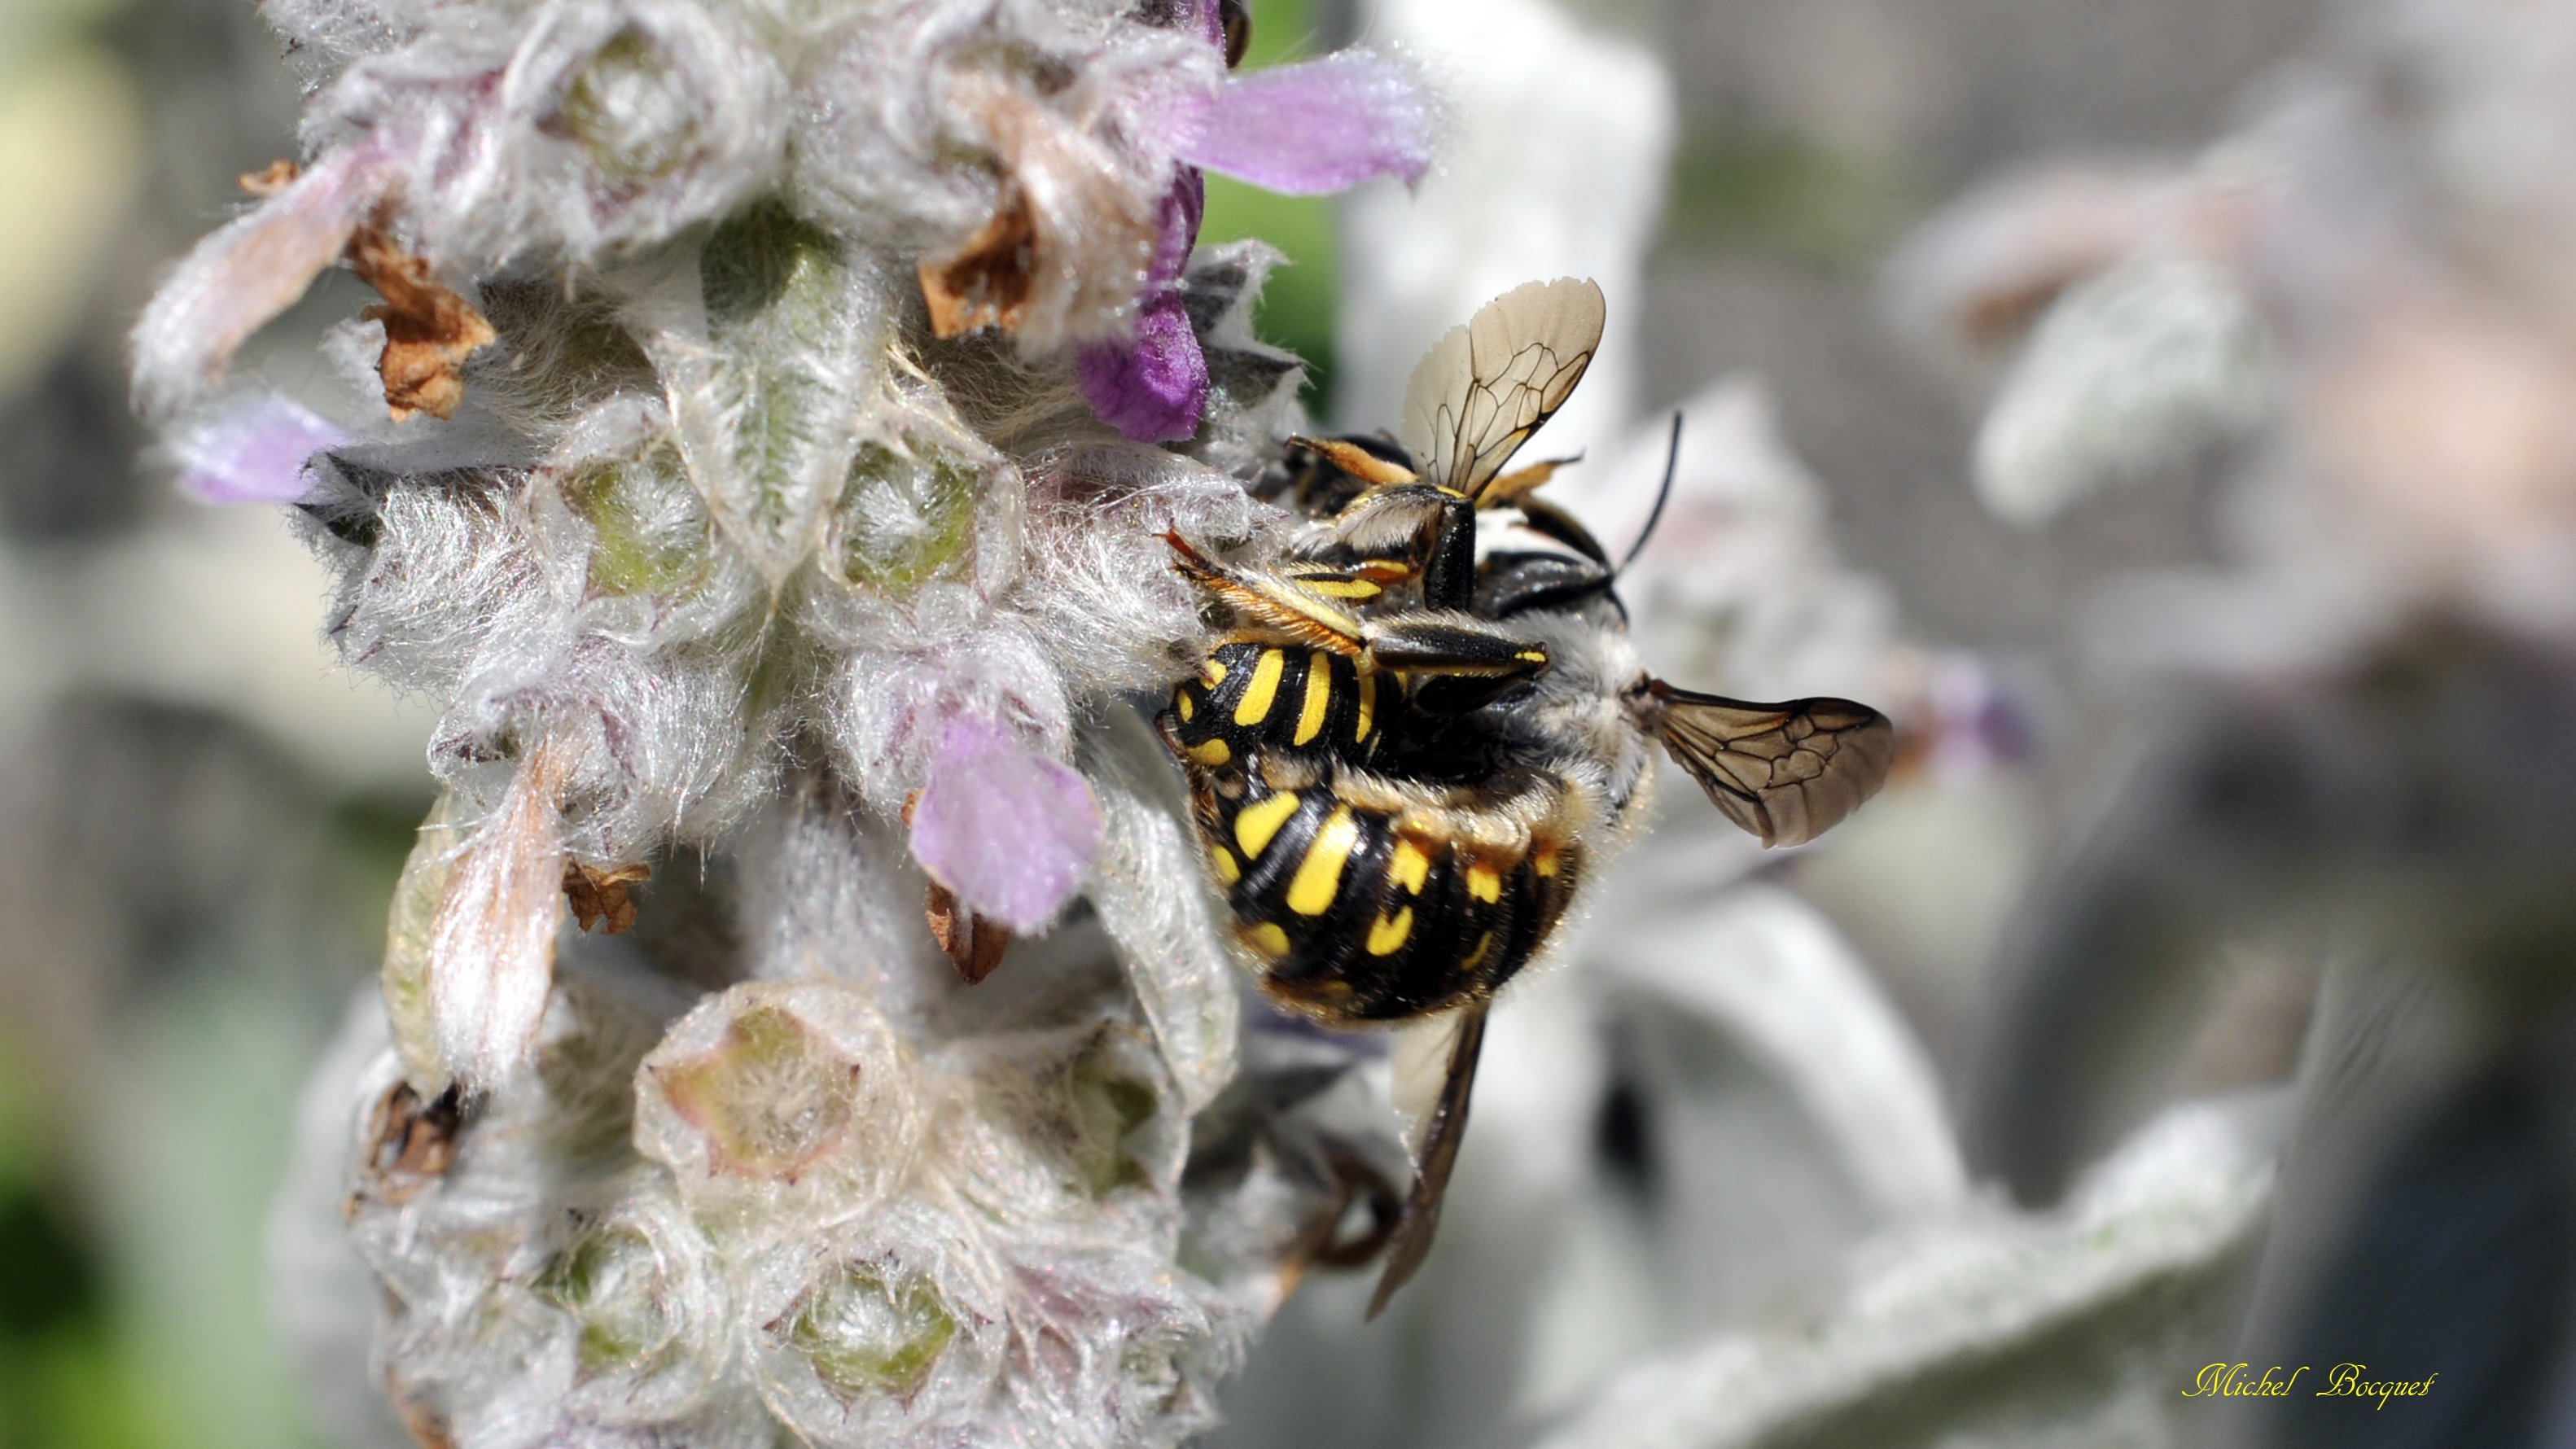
{"x":1404,"y":749}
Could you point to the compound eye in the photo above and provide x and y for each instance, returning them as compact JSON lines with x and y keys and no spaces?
{"x":1237,"y":21}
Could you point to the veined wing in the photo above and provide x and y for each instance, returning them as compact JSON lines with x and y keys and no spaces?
{"x":1444,"y":1126}
{"x":1787,"y":772}
{"x":1485,"y":387}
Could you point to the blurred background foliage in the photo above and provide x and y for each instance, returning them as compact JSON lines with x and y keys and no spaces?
{"x":194,"y":861}
{"x":1296,"y":308}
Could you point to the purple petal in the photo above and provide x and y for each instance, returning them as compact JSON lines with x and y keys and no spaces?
{"x":1322,"y":125}
{"x":1202,"y":16}
{"x":1155,"y":389}
{"x":1010,"y":831}
{"x":254,"y":452}
{"x":1204,"y":19}
{"x":1183,"y":207}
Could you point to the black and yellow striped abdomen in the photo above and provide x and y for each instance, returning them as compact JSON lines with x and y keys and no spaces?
{"x":1251,"y":697}
{"x":1364,"y":913}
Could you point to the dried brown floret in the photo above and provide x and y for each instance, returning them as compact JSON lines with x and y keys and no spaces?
{"x":429,"y":330}
{"x":411,"y":1143}
{"x":972,"y":942}
{"x":598,"y":897}
{"x":986,"y":282}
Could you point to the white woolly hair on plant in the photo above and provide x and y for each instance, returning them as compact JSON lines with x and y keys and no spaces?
{"x":784,"y":406}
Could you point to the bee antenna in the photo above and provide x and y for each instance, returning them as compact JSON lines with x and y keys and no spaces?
{"x":1663,"y":494}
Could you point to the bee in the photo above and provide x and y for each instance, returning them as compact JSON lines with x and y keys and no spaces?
{"x":1405,"y":752}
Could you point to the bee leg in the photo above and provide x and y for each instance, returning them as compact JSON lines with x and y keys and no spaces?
{"x":1470,"y":662}
{"x":1363,"y":458}
{"x":1306,"y":478}
{"x":1358,"y":1182}
{"x":1277,"y":604}
{"x":1523,"y":583}
{"x":1360,"y":583}
{"x":1548,"y":520}
{"x":1451,"y":644}
{"x":1508,"y":490}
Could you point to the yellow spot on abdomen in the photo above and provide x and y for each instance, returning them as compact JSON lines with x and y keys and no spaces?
{"x":1409,"y":866}
{"x":1212,"y":754}
{"x":1319,"y":697}
{"x":1228,"y":869}
{"x":1368,"y":704}
{"x":1319,"y":875}
{"x":1213,"y":672}
{"x":1268,"y":939}
{"x":1483,"y":883}
{"x":1476,"y":958}
{"x":1181,"y":703}
{"x":1544,"y":862}
{"x":1388,"y":935}
{"x":1256,"y":823}
{"x":1264,"y":688}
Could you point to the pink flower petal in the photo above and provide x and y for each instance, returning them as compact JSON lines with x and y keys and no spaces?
{"x":247,"y":272}
{"x":254,"y":452}
{"x":1008,"y":830}
{"x":1318,"y":126}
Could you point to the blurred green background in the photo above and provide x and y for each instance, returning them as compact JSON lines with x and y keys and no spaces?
{"x":1296,"y":308}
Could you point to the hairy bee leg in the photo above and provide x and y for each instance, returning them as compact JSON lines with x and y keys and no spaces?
{"x":1446,"y":1129}
{"x":1358,"y":583}
{"x":1425,"y":643}
{"x":1508,"y":490}
{"x":1359,"y":461}
{"x":1273,"y":601}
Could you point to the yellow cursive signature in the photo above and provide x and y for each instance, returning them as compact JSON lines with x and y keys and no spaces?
{"x":2343,"y":1381}
{"x":2230,"y":1381}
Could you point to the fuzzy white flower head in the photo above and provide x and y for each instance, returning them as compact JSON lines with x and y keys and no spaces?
{"x":784,"y":408}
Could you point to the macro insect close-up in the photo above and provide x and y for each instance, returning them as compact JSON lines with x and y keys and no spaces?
{"x":1416,"y":737}
{"x":865,"y":724}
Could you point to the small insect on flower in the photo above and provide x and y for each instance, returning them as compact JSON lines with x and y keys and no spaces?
{"x":1405,"y":748}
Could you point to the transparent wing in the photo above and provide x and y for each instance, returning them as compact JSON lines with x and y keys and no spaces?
{"x":1443,"y":1128}
{"x":1786,"y":772}
{"x":1485,"y":387}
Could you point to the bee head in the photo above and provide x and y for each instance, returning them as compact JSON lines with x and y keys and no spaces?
{"x":1574,"y":715}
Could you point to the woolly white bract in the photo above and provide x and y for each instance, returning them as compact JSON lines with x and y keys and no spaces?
{"x":742,"y":503}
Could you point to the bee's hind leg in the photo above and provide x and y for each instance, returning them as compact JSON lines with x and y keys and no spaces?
{"x":1467,"y":661}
